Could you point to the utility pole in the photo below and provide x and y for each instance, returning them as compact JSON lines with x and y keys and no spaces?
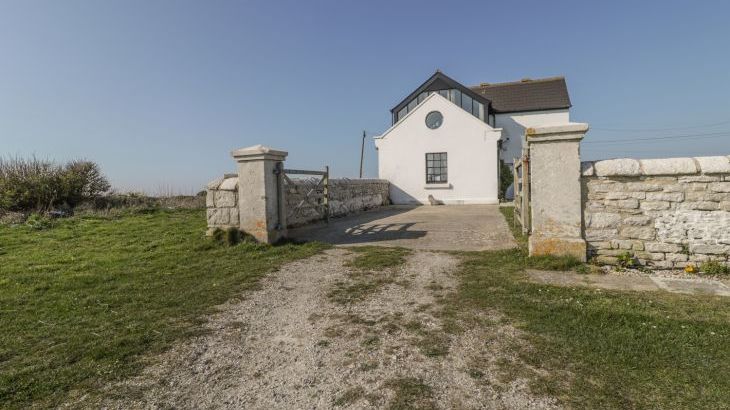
{"x":362,"y":152}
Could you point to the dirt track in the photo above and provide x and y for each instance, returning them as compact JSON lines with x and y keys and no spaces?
{"x":289,"y":345}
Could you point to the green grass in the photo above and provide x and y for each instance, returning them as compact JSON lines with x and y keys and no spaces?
{"x":373,"y":270}
{"x":375,"y":258}
{"x":604,"y":349}
{"x":509,"y":213}
{"x":410,"y":393}
{"x":81,"y":304}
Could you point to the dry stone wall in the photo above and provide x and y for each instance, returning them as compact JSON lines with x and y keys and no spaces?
{"x":346,"y":196}
{"x":221,"y":202}
{"x":666,"y":213}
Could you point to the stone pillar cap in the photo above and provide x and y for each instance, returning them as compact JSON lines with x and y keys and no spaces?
{"x":258,"y":152}
{"x":568,"y":131}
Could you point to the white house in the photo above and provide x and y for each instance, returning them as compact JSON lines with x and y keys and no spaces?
{"x":447,"y":140}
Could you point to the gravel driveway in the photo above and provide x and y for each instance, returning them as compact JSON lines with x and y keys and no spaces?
{"x":290,"y":345}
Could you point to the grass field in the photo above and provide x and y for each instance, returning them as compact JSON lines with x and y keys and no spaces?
{"x":83,"y":302}
{"x":605,"y":349}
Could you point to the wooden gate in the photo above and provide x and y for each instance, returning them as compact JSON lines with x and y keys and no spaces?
{"x":521,"y":184}
{"x":315,"y":191}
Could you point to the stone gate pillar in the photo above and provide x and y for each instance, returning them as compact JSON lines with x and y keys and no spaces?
{"x":555,"y":190}
{"x":260,"y":197}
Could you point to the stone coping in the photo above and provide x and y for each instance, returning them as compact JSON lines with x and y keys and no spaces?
{"x":629,"y":167}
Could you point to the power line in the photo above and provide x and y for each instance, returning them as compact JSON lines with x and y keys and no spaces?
{"x":662,"y":129}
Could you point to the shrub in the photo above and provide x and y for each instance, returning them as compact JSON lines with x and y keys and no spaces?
{"x":40,"y":185}
{"x":38,"y":221}
{"x":505,"y":178}
{"x":714,"y":268}
{"x":82,"y":180}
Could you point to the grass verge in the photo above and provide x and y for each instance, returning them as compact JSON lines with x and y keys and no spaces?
{"x":83,"y":302}
{"x":614,"y":349}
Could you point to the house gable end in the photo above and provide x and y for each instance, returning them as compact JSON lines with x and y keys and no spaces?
{"x":436,"y":102}
{"x":440,"y":81}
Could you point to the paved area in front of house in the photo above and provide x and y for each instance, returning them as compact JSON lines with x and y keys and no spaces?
{"x":693,"y":286}
{"x":447,"y":227}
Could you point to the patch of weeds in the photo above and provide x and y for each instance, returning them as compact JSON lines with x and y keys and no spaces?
{"x":359,"y":320}
{"x":233,"y":236}
{"x":582,"y":269}
{"x":333,"y":332}
{"x":589,"y":268}
{"x":376,"y":258}
{"x":323,"y":343}
{"x":368,"y":366}
{"x":350,"y":396}
{"x":714,"y":268}
{"x":39,"y":222}
{"x":626,"y":260}
{"x":550,"y":262}
{"x":237,"y":324}
{"x":371,"y":341}
{"x":433,"y":344}
{"x":391,"y":328}
{"x":475,"y":374}
{"x":410,"y":393}
{"x":685,"y":249}
{"x":218,"y":235}
{"x":423,"y":307}
{"x":414,"y":326}
{"x":359,"y":288}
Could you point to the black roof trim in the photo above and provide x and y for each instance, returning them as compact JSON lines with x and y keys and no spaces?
{"x":450,"y":82}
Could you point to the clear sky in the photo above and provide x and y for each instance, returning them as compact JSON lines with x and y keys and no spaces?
{"x":159,"y":92}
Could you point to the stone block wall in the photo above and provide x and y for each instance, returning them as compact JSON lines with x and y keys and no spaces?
{"x":346,"y":196}
{"x":221,"y":202}
{"x":667,"y":213}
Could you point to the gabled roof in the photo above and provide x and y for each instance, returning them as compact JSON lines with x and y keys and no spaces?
{"x":424,"y":103}
{"x":440,"y":81}
{"x":526,"y":95}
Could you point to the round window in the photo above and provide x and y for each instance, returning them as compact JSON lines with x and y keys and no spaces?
{"x":434,"y":119}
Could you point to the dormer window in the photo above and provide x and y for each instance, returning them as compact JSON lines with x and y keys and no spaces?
{"x":467,"y":99}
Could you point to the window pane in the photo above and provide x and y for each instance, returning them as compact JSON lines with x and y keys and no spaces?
{"x":481,"y":111}
{"x":412,"y":105}
{"x":444,"y":93}
{"x":466,"y":102}
{"x":436,"y":167}
{"x":402,"y":113}
{"x":456,"y":97}
{"x":421,"y":97}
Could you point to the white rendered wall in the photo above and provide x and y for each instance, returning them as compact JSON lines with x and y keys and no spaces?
{"x":472,"y":156}
{"x":514,"y":124}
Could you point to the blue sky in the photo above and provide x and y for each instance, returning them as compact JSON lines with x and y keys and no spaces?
{"x":159,"y":92}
